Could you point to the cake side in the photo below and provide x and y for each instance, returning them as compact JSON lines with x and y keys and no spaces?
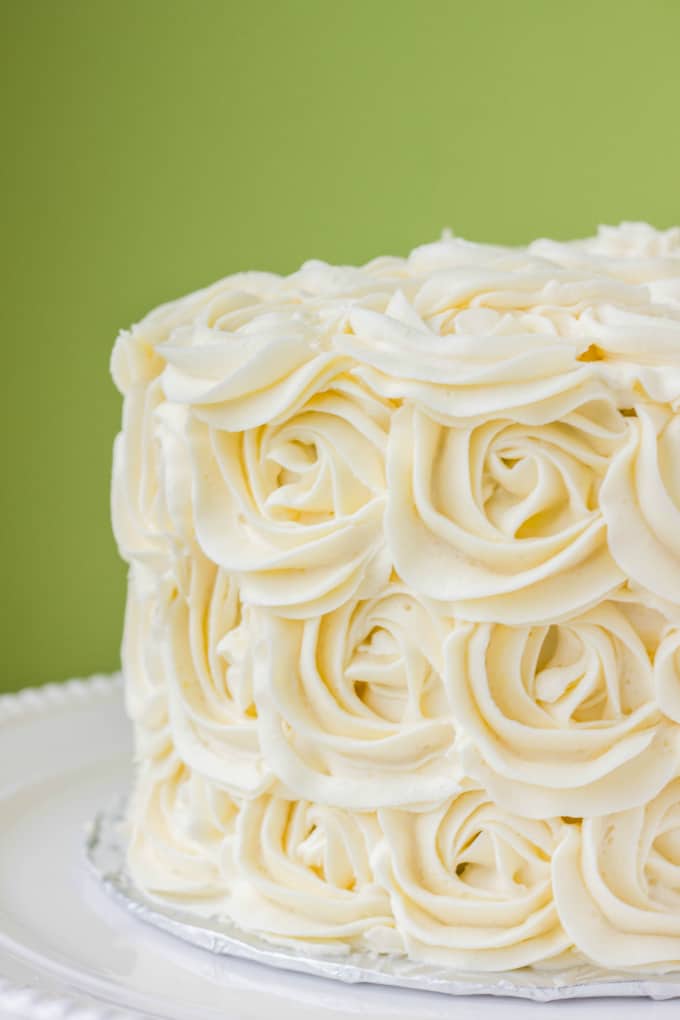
{"x":402,"y":643}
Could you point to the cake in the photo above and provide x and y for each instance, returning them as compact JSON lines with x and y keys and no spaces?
{"x":402,"y":638}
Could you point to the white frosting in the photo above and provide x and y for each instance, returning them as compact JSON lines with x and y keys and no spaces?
{"x":210,"y":685}
{"x":561,"y":720}
{"x":471,"y":885}
{"x":295,"y":509}
{"x":641,"y":501}
{"x":500,"y":518}
{"x":179,"y":826}
{"x":402,"y":642}
{"x":617,"y":885}
{"x":302,"y":871}
{"x":352,"y":706}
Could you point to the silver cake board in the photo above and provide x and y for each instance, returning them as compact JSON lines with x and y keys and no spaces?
{"x":105,"y":855}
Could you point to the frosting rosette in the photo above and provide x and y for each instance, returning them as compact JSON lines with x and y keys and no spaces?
{"x":151,"y":491}
{"x":304,"y":873}
{"x":136,"y":357}
{"x":295,"y":508}
{"x":640,"y":501}
{"x":179,"y":826}
{"x":561,"y":719}
{"x":634,"y":347}
{"x":501,"y":519}
{"x":457,"y":357}
{"x":151,"y":473}
{"x":617,"y":885}
{"x":471,"y":884}
{"x":208,"y":677}
{"x":352,"y":705}
{"x":249,"y":359}
{"x":505,"y":333}
{"x":667,"y":674}
{"x":146,"y":694}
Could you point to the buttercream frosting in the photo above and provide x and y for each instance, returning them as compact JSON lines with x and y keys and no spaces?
{"x":402,"y":640}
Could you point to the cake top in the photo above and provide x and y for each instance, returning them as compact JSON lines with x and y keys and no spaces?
{"x":253,"y":343}
{"x":372,"y":386}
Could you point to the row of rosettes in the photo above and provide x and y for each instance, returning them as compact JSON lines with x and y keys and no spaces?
{"x":467,"y":884}
{"x":504,"y":518}
{"x":386,"y":702}
{"x":502,"y":424}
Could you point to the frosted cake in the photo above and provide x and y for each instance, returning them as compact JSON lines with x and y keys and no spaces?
{"x":402,"y":645}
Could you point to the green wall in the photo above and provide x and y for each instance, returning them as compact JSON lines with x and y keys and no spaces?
{"x":150,"y":147}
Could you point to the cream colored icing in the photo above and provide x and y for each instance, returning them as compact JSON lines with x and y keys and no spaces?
{"x":617,"y":885}
{"x":471,"y":885}
{"x":402,"y":642}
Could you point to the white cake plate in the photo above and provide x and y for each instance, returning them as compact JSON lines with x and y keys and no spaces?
{"x":68,"y":952}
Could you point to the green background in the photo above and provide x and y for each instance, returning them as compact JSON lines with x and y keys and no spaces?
{"x":151,"y":147}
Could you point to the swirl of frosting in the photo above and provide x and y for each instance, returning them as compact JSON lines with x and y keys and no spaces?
{"x":249,"y":379}
{"x":635,"y":240}
{"x":151,"y":472}
{"x":209,"y":682}
{"x":501,"y":519}
{"x":617,"y":885}
{"x":518,"y":337}
{"x":304,"y":873}
{"x":295,"y":508}
{"x":560,"y":719}
{"x":179,"y":826}
{"x":644,"y":334}
{"x":460,"y":362}
{"x":636,"y":252}
{"x":667,"y":674}
{"x":146,"y":699}
{"x":632,"y":252}
{"x":136,"y":355}
{"x":471,"y":885}
{"x":253,"y":364}
{"x":352,"y":706}
{"x":640,"y":500}
{"x":151,"y":502}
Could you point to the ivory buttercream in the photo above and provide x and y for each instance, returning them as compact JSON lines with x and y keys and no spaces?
{"x":402,"y":644}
